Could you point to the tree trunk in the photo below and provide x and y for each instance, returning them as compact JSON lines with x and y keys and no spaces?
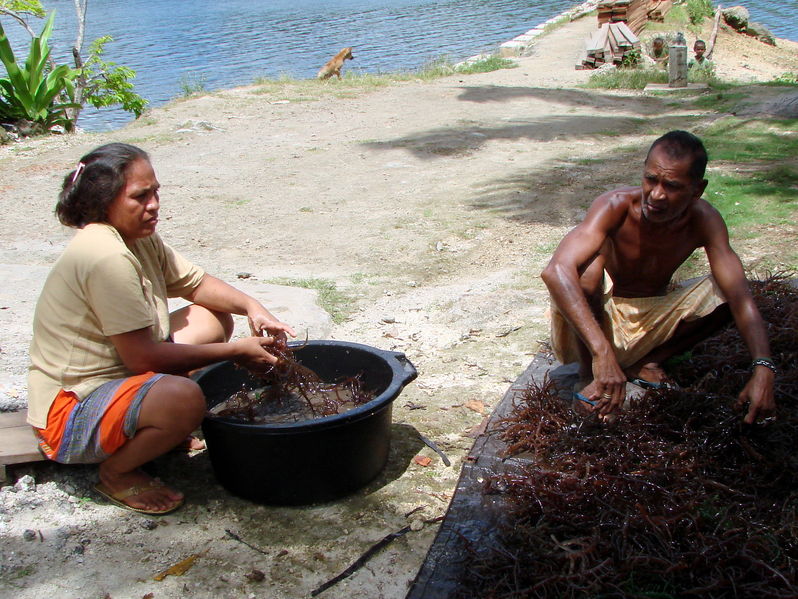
{"x":80,"y":83}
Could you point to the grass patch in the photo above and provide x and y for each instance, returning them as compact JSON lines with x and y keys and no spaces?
{"x":751,"y":140}
{"x":486,"y":65}
{"x":765,"y":197}
{"x":331,"y":299}
{"x":354,"y":82}
{"x":763,"y":189}
{"x":192,"y":84}
{"x":639,"y":78}
{"x":722,"y":101}
{"x":626,"y":78}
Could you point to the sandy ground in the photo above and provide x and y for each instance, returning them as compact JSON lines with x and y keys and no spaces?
{"x":432,"y":206}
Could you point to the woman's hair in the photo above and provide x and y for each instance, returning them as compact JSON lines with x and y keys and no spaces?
{"x":88,"y":190}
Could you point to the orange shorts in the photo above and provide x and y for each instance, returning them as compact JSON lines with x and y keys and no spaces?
{"x":88,"y":430}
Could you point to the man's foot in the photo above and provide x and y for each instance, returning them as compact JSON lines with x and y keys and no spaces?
{"x":139,"y":492}
{"x":650,"y":376}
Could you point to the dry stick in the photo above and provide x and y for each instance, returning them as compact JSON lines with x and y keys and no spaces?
{"x":370,"y":552}
{"x":714,"y":34}
{"x":240,"y":540}
{"x":431,"y":444}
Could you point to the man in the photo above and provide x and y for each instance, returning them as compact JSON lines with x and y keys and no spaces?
{"x":699,"y":60}
{"x":609,"y":275}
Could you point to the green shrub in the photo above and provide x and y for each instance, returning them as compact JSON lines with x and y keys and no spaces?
{"x":33,"y":91}
{"x":787,"y":78}
{"x":697,"y":10}
{"x":108,"y":84}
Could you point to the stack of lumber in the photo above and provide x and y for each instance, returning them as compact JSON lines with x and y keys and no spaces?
{"x":657,"y":9}
{"x":632,"y":12}
{"x":611,"y":43}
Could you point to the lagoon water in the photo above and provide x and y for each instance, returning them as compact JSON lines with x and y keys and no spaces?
{"x":218,"y":44}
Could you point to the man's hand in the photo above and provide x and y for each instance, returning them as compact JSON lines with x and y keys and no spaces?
{"x":609,"y":384}
{"x":758,"y":394}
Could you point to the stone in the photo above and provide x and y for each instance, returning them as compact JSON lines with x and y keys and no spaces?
{"x":760,"y":32}
{"x":737,"y":17}
{"x":148,"y":524}
{"x":5,"y":137}
{"x":25,"y":483}
{"x":29,"y":535}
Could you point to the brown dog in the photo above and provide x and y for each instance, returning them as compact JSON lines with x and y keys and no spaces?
{"x":333,"y":67}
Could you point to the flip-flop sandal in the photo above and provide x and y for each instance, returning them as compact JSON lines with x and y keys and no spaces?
{"x":652,"y":385}
{"x":119,"y":498}
{"x":581,"y":397}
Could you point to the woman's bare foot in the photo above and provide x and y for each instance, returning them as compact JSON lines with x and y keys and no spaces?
{"x":138,"y":491}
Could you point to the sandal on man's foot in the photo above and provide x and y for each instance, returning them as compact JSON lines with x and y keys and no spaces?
{"x":119,"y":498}
{"x":664,"y":384}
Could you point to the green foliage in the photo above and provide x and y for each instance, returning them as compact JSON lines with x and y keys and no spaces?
{"x":697,"y":10}
{"x":33,"y":91}
{"x":786,"y":79}
{"x":192,"y":84}
{"x":33,"y":7}
{"x":109,"y":84}
{"x":632,"y":58}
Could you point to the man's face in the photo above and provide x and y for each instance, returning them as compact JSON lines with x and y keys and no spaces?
{"x":668,"y":188}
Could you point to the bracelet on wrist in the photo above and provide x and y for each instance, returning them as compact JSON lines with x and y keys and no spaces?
{"x":766,"y":362}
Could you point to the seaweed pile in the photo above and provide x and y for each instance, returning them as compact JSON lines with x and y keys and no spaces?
{"x":291,"y":392}
{"x":677,"y":498}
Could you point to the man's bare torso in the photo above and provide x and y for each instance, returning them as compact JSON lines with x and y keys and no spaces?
{"x":641,"y":256}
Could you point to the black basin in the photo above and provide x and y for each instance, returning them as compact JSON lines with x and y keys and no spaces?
{"x":314,"y":460}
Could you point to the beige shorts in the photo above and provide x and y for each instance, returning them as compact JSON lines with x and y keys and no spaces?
{"x":637,"y":325}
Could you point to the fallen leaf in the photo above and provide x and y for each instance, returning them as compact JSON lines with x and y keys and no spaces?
{"x":422,"y":460}
{"x":477,"y":430}
{"x":255,"y":575}
{"x":475,"y":405}
{"x":179,"y":568}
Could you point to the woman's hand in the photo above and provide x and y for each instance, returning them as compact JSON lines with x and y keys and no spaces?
{"x":253,"y":353}
{"x":262,"y":322}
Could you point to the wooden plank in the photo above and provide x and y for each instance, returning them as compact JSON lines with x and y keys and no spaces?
{"x":9,"y":419}
{"x":624,"y":30}
{"x":18,"y":444}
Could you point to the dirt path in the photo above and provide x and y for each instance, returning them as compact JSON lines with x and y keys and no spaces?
{"x":432,"y":206}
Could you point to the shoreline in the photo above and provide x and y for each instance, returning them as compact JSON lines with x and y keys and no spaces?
{"x":430,"y":207}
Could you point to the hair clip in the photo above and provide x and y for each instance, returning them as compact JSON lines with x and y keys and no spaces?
{"x":78,"y":170}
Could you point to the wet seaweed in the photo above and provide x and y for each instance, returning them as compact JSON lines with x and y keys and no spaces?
{"x":286,"y":381}
{"x":677,"y":498}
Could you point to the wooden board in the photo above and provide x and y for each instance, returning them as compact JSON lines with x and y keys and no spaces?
{"x":18,"y":444}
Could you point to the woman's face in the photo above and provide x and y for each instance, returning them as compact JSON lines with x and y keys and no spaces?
{"x":134,"y":211}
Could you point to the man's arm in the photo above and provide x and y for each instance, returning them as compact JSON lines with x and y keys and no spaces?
{"x":730,"y":277}
{"x":577,"y":252}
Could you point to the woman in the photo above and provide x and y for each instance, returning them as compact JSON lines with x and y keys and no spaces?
{"x":106,"y":378}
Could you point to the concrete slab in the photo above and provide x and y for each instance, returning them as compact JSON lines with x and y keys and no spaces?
{"x":664,"y":87}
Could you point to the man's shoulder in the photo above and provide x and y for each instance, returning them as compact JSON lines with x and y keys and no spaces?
{"x":619,"y":198}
